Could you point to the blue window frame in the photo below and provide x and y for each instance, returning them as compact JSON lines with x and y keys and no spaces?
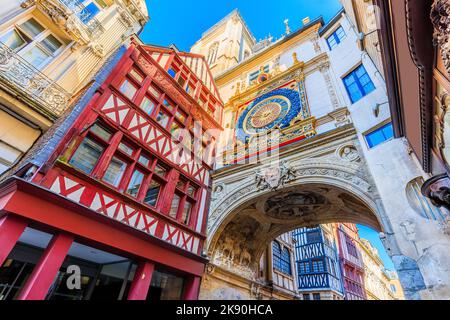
{"x":380,"y":135}
{"x":358,"y":84}
{"x":336,"y":38}
{"x":281,"y":259}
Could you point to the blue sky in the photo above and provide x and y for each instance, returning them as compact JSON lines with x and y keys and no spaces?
{"x":183,"y":22}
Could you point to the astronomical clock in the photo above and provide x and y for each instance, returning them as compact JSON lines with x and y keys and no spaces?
{"x":277,"y":109}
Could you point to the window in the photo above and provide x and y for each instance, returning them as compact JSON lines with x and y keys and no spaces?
{"x":128,"y":89}
{"x":313,"y":236}
{"x":33,"y":42}
{"x":163,"y":119}
{"x":281,"y":258}
{"x":393,"y":288}
{"x":130,"y":169}
{"x":151,"y":197}
{"x":253,"y":76}
{"x":358,"y":84}
{"x":304,"y":267}
{"x":172,"y":72}
{"x":317,"y":266}
{"x":183,"y":201}
{"x":336,"y":37}
{"x":87,"y":155}
{"x":316,"y":296}
{"x":135,"y":183}
{"x":351,"y":248}
{"x":8,"y":156}
{"x":212,"y":53}
{"x":147,"y":106}
{"x":306,"y":296}
{"x":286,"y":261}
{"x":91,"y":9}
{"x":115,"y":171}
{"x":379,"y":135}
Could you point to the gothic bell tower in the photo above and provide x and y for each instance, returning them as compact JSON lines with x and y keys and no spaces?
{"x":226,"y":43}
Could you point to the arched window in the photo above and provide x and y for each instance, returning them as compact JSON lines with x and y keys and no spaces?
{"x":281,"y":258}
{"x":212,"y":53}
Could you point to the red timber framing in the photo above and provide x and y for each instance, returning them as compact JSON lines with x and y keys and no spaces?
{"x":126,"y":176}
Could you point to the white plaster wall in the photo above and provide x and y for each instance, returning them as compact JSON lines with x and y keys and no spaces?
{"x":318,"y":97}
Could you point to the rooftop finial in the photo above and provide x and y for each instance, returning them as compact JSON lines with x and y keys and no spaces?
{"x":286,"y":23}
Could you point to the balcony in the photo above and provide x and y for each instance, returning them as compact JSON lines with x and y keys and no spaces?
{"x":73,"y":17}
{"x":22,"y":78}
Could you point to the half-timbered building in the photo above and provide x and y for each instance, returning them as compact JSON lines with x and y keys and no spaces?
{"x":122,"y":198}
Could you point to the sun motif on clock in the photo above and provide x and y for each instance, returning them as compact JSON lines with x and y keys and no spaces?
{"x":266,"y":114}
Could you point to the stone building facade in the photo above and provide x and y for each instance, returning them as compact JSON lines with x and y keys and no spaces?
{"x":49,"y":51}
{"x":332,"y":157}
{"x":377,"y":280}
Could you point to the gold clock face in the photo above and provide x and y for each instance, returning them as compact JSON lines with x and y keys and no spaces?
{"x":265,"y":115}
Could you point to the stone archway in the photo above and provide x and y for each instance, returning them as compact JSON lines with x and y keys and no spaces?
{"x":321,"y":181}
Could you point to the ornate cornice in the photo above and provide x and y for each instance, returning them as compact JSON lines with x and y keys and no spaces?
{"x":440,"y":18}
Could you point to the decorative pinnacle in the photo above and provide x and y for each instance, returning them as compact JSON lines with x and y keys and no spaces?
{"x":286,"y":23}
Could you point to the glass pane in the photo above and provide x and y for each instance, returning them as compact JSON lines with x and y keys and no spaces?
{"x":181,"y":81}
{"x":87,"y":155}
{"x":180,"y":115}
{"x":147,"y":105}
{"x":135,"y":183}
{"x":13,"y":39}
{"x":151,"y":197}
{"x":375,"y":138}
{"x":186,"y":212}
{"x":89,"y":12}
{"x":191,"y":191}
{"x":128,"y":89}
{"x":168,"y":104}
{"x":128,"y":150}
{"x":32,"y":27}
{"x":160,"y":171}
{"x":136,"y":75}
{"x":174,"y":207}
{"x":144,"y":160}
{"x":101,"y":132}
{"x":172,"y":73}
{"x":175,"y":131}
{"x":36,"y":56}
{"x":115,"y":171}
{"x":181,"y":184}
{"x":162,"y":119}
{"x":154,"y":92}
{"x":165,"y":286}
{"x":388,"y":131}
{"x":51,"y":43}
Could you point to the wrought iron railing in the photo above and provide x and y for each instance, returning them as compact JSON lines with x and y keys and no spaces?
{"x":94,"y":27}
{"x":21,"y":76}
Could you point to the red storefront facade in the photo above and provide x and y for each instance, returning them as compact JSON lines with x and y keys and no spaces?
{"x":124,"y":195}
